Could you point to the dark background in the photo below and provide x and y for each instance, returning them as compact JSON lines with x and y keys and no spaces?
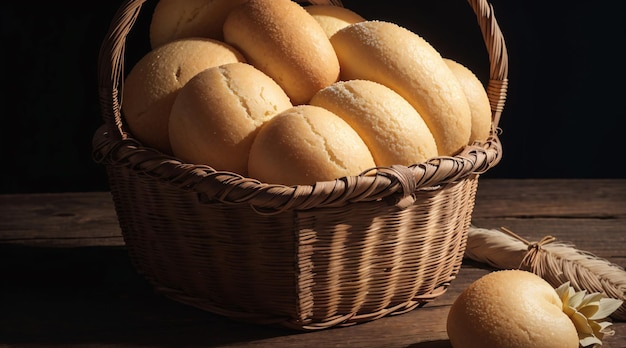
{"x":563,"y":117}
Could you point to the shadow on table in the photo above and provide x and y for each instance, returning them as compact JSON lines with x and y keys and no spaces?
{"x":92,"y":295}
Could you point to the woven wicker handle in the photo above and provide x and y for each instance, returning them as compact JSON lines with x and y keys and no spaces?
{"x":498,"y":57}
{"x":397,"y":182}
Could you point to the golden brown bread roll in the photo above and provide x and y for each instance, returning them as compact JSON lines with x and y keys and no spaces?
{"x":306,"y":144}
{"x":177,"y":19}
{"x":284,"y":41}
{"x":403,"y":61}
{"x":510,"y":308}
{"x":217,"y":114}
{"x":152,"y":84}
{"x":393,"y":130}
{"x":332,"y":18}
{"x":477,"y":99}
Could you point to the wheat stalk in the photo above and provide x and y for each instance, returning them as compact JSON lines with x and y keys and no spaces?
{"x":556,"y":262}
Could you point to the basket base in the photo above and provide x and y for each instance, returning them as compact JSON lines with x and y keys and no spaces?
{"x":338,"y":321}
{"x":303,"y":270}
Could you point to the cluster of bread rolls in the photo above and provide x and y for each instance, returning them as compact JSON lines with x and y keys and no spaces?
{"x":294,"y":93}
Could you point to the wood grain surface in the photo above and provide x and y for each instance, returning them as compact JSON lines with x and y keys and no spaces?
{"x":67,"y":280}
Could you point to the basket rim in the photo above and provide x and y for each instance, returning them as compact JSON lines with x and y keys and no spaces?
{"x":397,"y":184}
{"x":113,"y":145}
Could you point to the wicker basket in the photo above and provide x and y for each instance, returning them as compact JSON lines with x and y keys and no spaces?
{"x":304,"y":257}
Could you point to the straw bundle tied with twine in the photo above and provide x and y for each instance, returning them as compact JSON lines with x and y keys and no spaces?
{"x":556,"y":262}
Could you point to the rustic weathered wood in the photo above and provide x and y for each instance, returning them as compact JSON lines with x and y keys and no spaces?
{"x":67,"y":281}
{"x":59,"y":219}
{"x":591,"y":214}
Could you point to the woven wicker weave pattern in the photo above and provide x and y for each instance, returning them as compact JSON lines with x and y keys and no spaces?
{"x":305,"y":257}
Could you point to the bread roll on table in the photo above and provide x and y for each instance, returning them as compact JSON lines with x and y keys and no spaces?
{"x":510,"y":308}
{"x":403,"y":61}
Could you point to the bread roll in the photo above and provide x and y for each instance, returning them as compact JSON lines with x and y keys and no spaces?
{"x":403,"y":61}
{"x":283,"y":40}
{"x":177,"y":19}
{"x":217,"y":114}
{"x":306,"y":144}
{"x":393,"y":130}
{"x":332,"y":18}
{"x":152,"y":84}
{"x":510,"y":308}
{"x":477,"y":99}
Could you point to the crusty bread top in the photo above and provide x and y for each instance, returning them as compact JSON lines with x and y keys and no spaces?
{"x":177,"y":19}
{"x":217,"y":114}
{"x":306,"y":144}
{"x":333,"y":18}
{"x":284,"y":41}
{"x":152,"y":84}
{"x":392,"y":129}
{"x":394,"y":56}
{"x":476,"y":97}
{"x":510,"y":308}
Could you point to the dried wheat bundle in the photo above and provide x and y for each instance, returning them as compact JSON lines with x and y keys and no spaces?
{"x":556,"y":262}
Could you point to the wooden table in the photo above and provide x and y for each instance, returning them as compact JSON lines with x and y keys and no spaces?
{"x":66,"y":279}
